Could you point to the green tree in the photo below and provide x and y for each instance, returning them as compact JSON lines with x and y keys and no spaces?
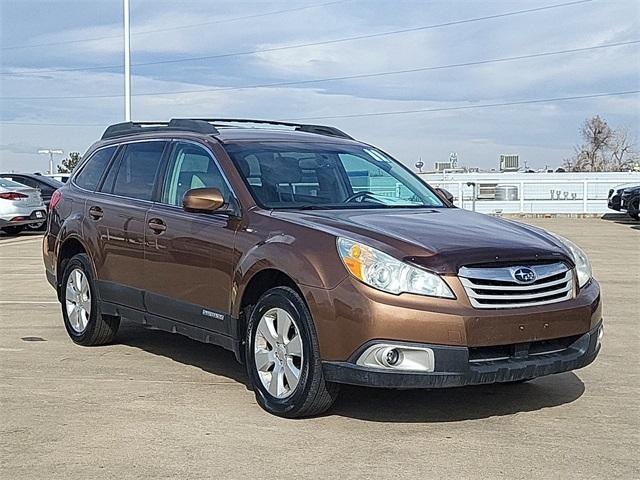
{"x":69,"y":163}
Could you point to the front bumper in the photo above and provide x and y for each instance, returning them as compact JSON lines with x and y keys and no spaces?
{"x":614,"y":202}
{"x":453,"y":367}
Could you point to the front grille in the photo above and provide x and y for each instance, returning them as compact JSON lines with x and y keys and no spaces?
{"x":497,"y":287}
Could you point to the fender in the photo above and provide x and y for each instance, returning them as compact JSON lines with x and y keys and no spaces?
{"x":69,"y":231}
{"x":280,"y":252}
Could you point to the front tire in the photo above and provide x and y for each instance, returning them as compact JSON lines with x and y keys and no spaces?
{"x":283,"y":357}
{"x":634,"y":209}
{"x":80,"y":307}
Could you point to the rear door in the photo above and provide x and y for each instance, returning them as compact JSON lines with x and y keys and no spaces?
{"x":117,"y":215}
{"x":189,"y":256}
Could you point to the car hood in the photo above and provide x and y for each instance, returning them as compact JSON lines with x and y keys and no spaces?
{"x":441,"y":239}
{"x":630,"y":191}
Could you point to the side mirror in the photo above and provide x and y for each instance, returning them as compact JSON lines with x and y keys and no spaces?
{"x":445,"y":194}
{"x":202,"y":200}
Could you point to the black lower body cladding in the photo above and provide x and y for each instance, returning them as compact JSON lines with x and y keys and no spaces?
{"x":454,"y":369}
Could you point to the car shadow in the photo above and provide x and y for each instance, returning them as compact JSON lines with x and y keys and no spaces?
{"x":457,"y":404}
{"x":210,"y":358}
{"x":372,"y":404}
{"x":622,"y":219}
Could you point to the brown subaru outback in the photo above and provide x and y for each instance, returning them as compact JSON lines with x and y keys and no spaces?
{"x":317,"y":259}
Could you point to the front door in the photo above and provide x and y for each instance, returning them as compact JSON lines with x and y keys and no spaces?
{"x":189,"y":256}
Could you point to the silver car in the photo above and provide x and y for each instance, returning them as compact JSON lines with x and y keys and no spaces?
{"x":19,"y":206}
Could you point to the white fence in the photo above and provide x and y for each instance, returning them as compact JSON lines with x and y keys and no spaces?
{"x":565,"y":193}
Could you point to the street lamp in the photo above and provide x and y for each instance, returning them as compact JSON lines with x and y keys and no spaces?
{"x":51,"y":152}
{"x":127,"y":62}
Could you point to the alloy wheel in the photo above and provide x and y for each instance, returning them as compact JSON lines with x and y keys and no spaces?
{"x":278,"y":352}
{"x":78,"y":300}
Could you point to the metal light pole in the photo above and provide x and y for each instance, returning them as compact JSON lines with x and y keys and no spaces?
{"x":127,"y":63}
{"x":51,"y":152}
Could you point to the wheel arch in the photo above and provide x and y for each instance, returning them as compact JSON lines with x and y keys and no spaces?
{"x":254,"y":284}
{"x":68,"y":248}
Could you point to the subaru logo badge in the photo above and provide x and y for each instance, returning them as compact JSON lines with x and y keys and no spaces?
{"x":524,"y":275}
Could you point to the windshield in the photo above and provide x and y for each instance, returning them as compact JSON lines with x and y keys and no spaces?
{"x":304,"y":175}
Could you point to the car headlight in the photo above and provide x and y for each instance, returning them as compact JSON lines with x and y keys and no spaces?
{"x":381,"y":271}
{"x":583,"y":267}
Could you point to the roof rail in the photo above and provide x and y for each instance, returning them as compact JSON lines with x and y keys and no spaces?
{"x":317,"y":129}
{"x":208,"y":126}
{"x":178,"y":124}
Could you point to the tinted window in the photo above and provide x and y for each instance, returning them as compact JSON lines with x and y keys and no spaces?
{"x":26,"y":181}
{"x":44,"y":187}
{"x":190,"y":167}
{"x":137,"y":170}
{"x":92,"y":171}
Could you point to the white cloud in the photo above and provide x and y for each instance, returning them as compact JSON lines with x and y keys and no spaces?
{"x":543,"y":133}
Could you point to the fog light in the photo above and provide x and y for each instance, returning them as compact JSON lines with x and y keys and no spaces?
{"x":389,"y":357}
{"x":398,"y":357}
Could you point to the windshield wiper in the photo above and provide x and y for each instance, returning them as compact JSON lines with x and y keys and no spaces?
{"x":309,"y":207}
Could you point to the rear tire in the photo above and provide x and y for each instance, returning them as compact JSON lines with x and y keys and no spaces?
{"x":80,"y":306}
{"x":311,"y":394}
{"x":15,"y":230}
{"x":37,"y":227}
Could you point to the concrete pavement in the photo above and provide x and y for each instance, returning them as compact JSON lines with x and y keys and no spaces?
{"x":155,"y":405}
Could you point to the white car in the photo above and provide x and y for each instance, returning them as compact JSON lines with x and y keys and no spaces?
{"x":19,"y":206}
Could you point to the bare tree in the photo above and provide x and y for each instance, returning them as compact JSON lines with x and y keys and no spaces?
{"x":603,"y":149}
{"x":623,"y":156}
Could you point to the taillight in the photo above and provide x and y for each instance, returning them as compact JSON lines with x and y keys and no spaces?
{"x":13,"y":196}
{"x":55,"y":198}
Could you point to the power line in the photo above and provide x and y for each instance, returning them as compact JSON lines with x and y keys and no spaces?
{"x":344,"y":77}
{"x":178,"y":27}
{"x":374,"y":114}
{"x":465,"y":107}
{"x":312,"y":44}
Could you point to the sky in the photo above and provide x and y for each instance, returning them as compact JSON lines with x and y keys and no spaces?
{"x":60,"y":48}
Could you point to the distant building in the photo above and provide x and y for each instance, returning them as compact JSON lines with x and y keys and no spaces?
{"x":509,"y":162}
{"x":442,"y":166}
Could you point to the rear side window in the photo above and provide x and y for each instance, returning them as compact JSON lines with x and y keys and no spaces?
{"x":92,"y":171}
{"x":137,"y":170}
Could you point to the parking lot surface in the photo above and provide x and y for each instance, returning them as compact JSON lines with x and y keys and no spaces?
{"x":155,"y":405}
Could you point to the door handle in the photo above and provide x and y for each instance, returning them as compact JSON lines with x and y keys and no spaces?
{"x":157,"y":225}
{"x":96,"y":213}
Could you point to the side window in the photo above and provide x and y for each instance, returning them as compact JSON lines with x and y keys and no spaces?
{"x":137,"y":170}
{"x":190,"y":167}
{"x":92,"y":170}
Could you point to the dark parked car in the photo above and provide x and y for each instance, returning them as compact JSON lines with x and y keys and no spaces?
{"x":317,"y":259}
{"x":46,"y":186}
{"x":614,"y":200}
{"x":630,"y":200}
